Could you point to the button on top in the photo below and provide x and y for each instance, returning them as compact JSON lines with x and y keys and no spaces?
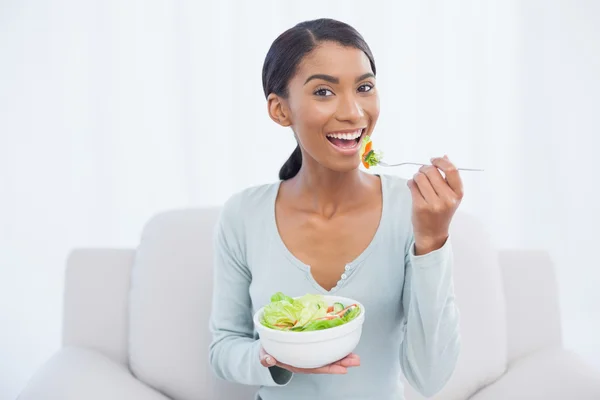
{"x":348,"y":268}
{"x":344,"y":276}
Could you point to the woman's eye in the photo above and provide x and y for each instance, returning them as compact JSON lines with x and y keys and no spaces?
{"x":365,"y":88}
{"x":323,"y":92}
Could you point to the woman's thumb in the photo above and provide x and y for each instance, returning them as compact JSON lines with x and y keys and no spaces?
{"x":268,"y":361}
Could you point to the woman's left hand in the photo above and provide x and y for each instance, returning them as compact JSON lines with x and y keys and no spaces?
{"x":435,"y":201}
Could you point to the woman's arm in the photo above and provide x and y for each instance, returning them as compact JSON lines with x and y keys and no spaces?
{"x":234,"y":352}
{"x":431,"y":342}
{"x":431,"y":333}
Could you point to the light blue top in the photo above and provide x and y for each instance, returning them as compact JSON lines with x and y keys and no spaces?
{"x":411,"y":324}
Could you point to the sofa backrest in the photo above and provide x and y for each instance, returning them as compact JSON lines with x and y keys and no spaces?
{"x":532,"y":301}
{"x":170,"y":305}
{"x":171,"y":289}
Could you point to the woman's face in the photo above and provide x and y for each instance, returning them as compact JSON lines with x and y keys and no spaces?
{"x":332,"y":105}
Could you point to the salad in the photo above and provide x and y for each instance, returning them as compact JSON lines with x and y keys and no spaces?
{"x":307,"y":313}
{"x":368,"y":156}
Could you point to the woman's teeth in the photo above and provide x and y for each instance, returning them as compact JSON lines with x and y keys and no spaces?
{"x":346,"y":136}
{"x":348,"y":141}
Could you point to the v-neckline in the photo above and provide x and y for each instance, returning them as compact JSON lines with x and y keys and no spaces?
{"x":351,"y":267}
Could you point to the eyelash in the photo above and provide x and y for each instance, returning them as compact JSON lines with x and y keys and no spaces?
{"x":326,"y":89}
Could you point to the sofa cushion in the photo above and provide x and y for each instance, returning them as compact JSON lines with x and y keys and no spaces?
{"x":480,"y":298}
{"x":169,"y":308}
{"x":76,"y":373}
{"x":553,"y":374}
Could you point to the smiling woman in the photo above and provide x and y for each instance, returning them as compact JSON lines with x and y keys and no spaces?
{"x":328,"y":228}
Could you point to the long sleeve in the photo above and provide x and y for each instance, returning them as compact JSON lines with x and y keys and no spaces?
{"x":234,"y":352}
{"x":431,"y":344}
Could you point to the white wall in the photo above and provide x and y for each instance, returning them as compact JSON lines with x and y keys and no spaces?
{"x":106,"y":109}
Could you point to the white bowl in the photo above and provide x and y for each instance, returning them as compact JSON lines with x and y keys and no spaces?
{"x":312,"y":349}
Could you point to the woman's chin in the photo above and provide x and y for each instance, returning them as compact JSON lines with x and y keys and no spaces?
{"x":345,"y":167}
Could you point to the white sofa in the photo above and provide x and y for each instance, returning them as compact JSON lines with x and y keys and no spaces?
{"x":135,"y":322}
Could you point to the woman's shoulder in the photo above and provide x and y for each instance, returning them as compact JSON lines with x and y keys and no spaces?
{"x":250,"y":202}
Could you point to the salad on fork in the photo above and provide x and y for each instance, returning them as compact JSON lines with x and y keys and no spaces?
{"x":371,"y":158}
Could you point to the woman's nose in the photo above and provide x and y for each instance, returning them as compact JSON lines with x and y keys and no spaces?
{"x":349,"y":109}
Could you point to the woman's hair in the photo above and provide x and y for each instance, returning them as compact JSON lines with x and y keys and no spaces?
{"x":289,"y":49}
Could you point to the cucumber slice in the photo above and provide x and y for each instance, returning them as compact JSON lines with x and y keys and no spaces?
{"x":337,"y":307}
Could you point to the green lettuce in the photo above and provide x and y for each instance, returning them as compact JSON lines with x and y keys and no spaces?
{"x":322,"y":324}
{"x":307,"y":313}
{"x":280,"y":296}
{"x":282,"y":312}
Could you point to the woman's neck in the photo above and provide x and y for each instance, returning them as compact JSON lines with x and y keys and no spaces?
{"x":328,"y":192}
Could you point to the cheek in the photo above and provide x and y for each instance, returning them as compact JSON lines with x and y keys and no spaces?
{"x":313,"y":115}
{"x":371,"y":107}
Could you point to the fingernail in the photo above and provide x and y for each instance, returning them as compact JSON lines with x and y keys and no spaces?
{"x":269,"y":360}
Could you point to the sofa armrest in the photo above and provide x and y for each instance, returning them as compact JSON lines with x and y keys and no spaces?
{"x":77,"y":374}
{"x":96,"y":301}
{"x":551,"y":374}
{"x":532,"y":307}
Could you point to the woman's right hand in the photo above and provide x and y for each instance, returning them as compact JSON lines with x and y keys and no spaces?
{"x":338,"y":367}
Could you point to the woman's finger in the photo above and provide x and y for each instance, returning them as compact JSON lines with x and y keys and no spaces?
{"x":439,"y":184}
{"x":351,"y":356}
{"x":352,"y":360}
{"x":340,"y":366}
{"x":333,"y":369}
{"x":425,"y":188}
{"x":416,"y":193}
{"x":452,"y":174}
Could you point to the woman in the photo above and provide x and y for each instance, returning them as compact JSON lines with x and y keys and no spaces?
{"x":327,"y":227}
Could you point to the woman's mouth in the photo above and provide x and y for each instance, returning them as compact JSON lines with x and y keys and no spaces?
{"x":346,"y":140}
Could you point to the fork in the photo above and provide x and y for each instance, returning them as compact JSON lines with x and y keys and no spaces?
{"x":383,"y":164}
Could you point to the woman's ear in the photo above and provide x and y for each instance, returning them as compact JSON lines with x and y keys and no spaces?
{"x":278,"y":110}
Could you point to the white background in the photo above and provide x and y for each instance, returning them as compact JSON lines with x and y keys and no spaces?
{"x":113,"y":111}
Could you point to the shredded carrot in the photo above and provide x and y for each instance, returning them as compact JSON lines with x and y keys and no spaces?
{"x":367,"y":150}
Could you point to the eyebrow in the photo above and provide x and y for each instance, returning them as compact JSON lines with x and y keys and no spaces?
{"x":335,"y":80}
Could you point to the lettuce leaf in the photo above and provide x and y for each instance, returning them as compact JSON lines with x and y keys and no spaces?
{"x":322,"y":324}
{"x":313,"y":307}
{"x":282,"y":312}
{"x":280,"y":296}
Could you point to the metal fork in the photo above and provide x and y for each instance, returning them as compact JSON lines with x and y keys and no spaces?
{"x":383,"y":164}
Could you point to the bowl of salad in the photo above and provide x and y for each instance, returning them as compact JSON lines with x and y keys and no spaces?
{"x":309,"y":331}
